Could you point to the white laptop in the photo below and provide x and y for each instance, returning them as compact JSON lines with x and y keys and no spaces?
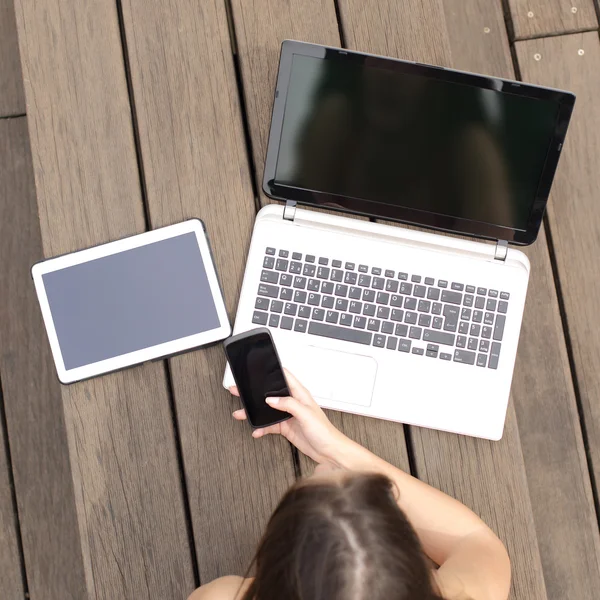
{"x":383,"y":320}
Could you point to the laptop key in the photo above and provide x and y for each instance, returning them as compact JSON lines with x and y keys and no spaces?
{"x":310,"y":258}
{"x":484,"y":346}
{"x":436,"y":309}
{"x":465,"y":314}
{"x":502,"y":307}
{"x":403,"y":276}
{"x":355,"y":307}
{"x":410,"y":304}
{"x":472,"y":345}
{"x":274,"y":321}
{"x":290,"y":308}
{"x":420,"y":291}
{"x":281,"y":264}
{"x":499,"y":327}
{"x":424,"y":306}
{"x":373,"y":324}
{"x":340,"y":333}
{"x":479,"y":302}
{"x":323,"y":261}
{"x":464,"y":356}
{"x":424,"y":320}
{"x":431,"y":353}
{"x":336,"y":264}
{"x":313,"y":285}
{"x":379,"y":341}
{"x":301,"y":325}
{"x":493,"y":293}
{"x":270,"y":291}
{"x":391,"y":285}
{"x":410,"y":318}
{"x":314,"y":299}
{"x":404,"y":345}
{"x":415,"y":278}
{"x":368,"y":295}
{"x":300,"y":296}
{"x":284,"y":253}
{"x":387,"y":327}
{"x":429,"y":280}
{"x":287,"y":322}
{"x":304,"y":312}
{"x":349,"y":266}
{"x":481,"y":291}
{"x":406,"y":288}
{"x":414,"y":333}
{"x":276,"y":306}
{"x":486,"y":333}
{"x":468,"y":300}
{"x":504,"y":295}
{"x":354,"y":293}
{"x":341,"y":290}
{"x":494,"y":356}
{"x":270,"y":251}
{"x":470,"y":289}
{"x":459,"y":287}
{"x":383,"y":312}
{"x":359,"y":322}
{"x":461,"y":341}
{"x":376,"y":271}
{"x":363,"y":268}
{"x":418,"y":351}
{"x":475,"y":329}
{"x":445,"y":356}
{"x":286,"y":280}
{"x":268,"y":262}
{"x":369,"y":310}
{"x":341,"y":304}
{"x":337,"y":275}
{"x":396,"y":301}
{"x":451,"y":297}
{"x":433,"y":293}
{"x":296,"y":256}
{"x":463,"y":328}
{"x":389,"y":273}
{"x":397,"y":315}
{"x":295,"y":267}
{"x":259,"y":318}
{"x":488,"y":318}
{"x":318,"y":314}
{"x":481,"y":360}
{"x":346,"y":320}
{"x":262,"y":303}
{"x":328,"y":302}
{"x":378,"y":283}
{"x":299,"y":282}
{"x":477,"y":316}
{"x":309,"y":270}
{"x":364,"y":280}
{"x":491,"y":304}
{"x":442,"y":283}
{"x":323,"y":272}
{"x":392,"y":342}
{"x":332,"y":316}
{"x":327,"y":287}
{"x":401,"y":330}
{"x":438,"y":322}
{"x":439,"y":337}
{"x":350,"y":278}
{"x":383,"y":297}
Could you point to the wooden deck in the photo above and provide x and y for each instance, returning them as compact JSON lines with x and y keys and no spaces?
{"x":116,"y":117}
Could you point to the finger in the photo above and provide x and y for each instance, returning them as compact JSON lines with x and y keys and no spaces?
{"x":297,"y":389}
{"x":290,"y":405}
{"x":233,"y":390}
{"x":272,"y":429}
{"x":239,"y":415}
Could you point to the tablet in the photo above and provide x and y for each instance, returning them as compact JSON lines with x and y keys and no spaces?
{"x":126,"y":302}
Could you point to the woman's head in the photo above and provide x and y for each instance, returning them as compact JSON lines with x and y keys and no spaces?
{"x":341,"y":537}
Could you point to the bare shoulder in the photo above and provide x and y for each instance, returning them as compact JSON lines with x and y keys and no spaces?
{"x":230,"y":587}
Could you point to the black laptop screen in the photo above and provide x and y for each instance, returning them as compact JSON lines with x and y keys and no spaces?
{"x":405,"y":140}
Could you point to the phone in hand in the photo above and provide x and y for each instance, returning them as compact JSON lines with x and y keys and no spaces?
{"x":258,"y":375}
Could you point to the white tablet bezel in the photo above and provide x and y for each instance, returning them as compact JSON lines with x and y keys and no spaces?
{"x":153,"y":352}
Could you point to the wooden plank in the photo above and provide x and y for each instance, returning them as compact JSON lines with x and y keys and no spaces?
{"x":12,"y":97}
{"x":33,"y":405}
{"x":539,"y":18}
{"x":10,"y":562}
{"x":260,"y":27}
{"x":127,"y":486}
{"x":572,"y":62}
{"x":560,"y":495}
{"x":195,"y":163}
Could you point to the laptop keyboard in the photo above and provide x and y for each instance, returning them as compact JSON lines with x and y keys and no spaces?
{"x":397,"y":311}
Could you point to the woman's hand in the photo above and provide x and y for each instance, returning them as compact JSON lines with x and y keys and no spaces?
{"x":309,"y":429}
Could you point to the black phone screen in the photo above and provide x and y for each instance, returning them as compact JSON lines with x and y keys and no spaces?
{"x":258,"y":375}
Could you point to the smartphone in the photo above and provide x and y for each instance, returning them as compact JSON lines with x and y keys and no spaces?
{"x":258,"y":375}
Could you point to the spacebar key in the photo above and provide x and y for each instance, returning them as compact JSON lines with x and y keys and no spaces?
{"x":340,"y":333}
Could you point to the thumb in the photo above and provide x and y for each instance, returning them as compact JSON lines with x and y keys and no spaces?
{"x":289,"y":405}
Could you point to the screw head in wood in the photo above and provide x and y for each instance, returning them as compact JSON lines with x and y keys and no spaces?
{"x":486,"y":30}
{"x":530,"y":14}
{"x":581,"y":51}
{"x":573,"y":9}
{"x":537,"y":56}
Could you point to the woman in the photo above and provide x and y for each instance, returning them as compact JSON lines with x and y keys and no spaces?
{"x":361,"y":529}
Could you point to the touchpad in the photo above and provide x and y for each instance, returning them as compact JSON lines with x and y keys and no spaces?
{"x":334,"y":375}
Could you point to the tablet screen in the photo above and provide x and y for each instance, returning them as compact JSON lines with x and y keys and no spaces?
{"x":129,"y":301}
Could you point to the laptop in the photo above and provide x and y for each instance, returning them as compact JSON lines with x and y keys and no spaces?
{"x":383,"y":320}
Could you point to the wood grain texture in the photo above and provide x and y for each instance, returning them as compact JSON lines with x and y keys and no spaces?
{"x":538,"y":18}
{"x":123,"y":456}
{"x":12,"y":97}
{"x":542,"y":389}
{"x":195,"y":163}
{"x":10,"y":563}
{"x":260,"y":27}
{"x":573,"y":62}
{"x":32,"y":400}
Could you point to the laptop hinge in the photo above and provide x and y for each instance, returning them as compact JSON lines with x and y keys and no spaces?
{"x":289,"y":211}
{"x":501,"y":250}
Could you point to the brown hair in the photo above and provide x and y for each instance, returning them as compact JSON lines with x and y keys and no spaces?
{"x":341,"y":539}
